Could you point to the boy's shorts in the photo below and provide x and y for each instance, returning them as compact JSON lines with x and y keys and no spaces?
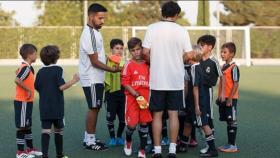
{"x":227,"y":113}
{"x":23,"y":114}
{"x":166,"y":100}
{"x":133,"y":114}
{"x":57,"y":123}
{"x":94,"y":95}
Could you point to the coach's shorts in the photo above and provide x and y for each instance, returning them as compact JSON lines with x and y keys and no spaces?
{"x":133,"y":114}
{"x":57,"y":123}
{"x":23,"y":114}
{"x":166,"y":100}
{"x":227,"y":113}
{"x":94,"y":95}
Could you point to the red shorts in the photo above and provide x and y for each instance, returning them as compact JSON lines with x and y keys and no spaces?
{"x":133,"y":114}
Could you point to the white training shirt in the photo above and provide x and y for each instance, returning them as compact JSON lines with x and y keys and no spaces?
{"x":167,"y":42}
{"x":91,"y":42}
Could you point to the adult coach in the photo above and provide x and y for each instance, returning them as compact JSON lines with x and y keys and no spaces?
{"x":91,"y":68}
{"x":165,"y":45}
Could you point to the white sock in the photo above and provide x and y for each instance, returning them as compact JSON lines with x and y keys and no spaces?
{"x":157,"y":149}
{"x":90,"y":139}
{"x":172,"y":148}
{"x":85,"y":137}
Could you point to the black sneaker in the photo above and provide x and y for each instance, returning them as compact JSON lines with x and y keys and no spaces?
{"x":210,"y":153}
{"x":182,"y":148}
{"x":171,"y":155}
{"x":96,"y":147}
{"x":157,"y":155}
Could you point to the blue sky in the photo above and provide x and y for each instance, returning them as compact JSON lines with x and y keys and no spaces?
{"x":26,"y":13}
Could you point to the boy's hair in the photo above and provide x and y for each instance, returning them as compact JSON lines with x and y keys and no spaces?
{"x":49,"y":54}
{"x":170,"y":9}
{"x":197,"y":53}
{"x":230,"y":46}
{"x":207,"y":39}
{"x":95,"y":8}
{"x":115,"y":42}
{"x":27,"y":49}
{"x":133,"y":42}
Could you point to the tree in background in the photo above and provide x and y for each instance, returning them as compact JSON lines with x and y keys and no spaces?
{"x":70,"y":13}
{"x":260,"y":13}
{"x":203,"y":13}
{"x":6,"y":18}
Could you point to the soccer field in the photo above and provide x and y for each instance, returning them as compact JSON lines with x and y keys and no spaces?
{"x":258,"y":119}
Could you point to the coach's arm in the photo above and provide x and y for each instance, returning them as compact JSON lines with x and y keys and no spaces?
{"x":98,"y":64}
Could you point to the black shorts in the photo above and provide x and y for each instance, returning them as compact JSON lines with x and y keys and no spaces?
{"x":228,"y":113}
{"x":57,"y":123}
{"x":115,"y":105}
{"x":23,"y":114}
{"x":166,"y":100}
{"x":94,"y":95}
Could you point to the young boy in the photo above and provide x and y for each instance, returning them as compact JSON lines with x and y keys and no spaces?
{"x":135,"y":79}
{"x":211,"y":70}
{"x":50,"y":85}
{"x":114,"y":95}
{"x":200,"y":91}
{"x":228,"y":108}
{"x":23,"y":103}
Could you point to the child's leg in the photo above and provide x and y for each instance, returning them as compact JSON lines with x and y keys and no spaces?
{"x":20,"y":139}
{"x":45,"y":139}
{"x":193,"y":132}
{"x":28,"y":138}
{"x":143,"y":134}
{"x":128,"y":133}
{"x":209,"y":137}
{"x":58,"y":137}
{"x":120,"y":113}
{"x":231,"y":132}
{"x":111,"y":114}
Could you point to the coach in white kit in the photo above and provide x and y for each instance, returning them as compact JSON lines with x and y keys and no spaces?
{"x":91,"y":68}
{"x":165,"y":44}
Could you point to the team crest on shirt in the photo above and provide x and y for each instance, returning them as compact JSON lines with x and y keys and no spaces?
{"x":208,"y":69}
{"x":135,"y":72}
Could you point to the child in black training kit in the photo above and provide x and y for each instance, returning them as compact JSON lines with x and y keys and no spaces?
{"x":50,"y":85}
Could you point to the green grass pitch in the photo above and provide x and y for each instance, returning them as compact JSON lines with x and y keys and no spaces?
{"x":258,"y":118}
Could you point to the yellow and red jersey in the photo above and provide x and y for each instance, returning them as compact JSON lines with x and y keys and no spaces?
{"x":26,"y":74}
{"x":231,"y":74}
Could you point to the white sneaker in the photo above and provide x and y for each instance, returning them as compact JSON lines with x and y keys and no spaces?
{"x":204,"y":150}
{"x":141,"y":154}
{"x":23,"y":155}
{"x":34,"y":152}
{"x":128,"y":148}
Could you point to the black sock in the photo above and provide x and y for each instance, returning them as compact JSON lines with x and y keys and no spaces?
{"x":143,"y":134}
{"x":20,"y":140}
{"x":164,"y":129}
{"x":58,"y":138}
{"x":184,"y":140}
{"x":45,"y":139}
{"x":231,"y":131}
{"x":28,"y":138}
{"x":111,"y":129}
{"x":211,"y":125}
{"x":193,"y":134}
{"x":128,"y":133}
{"x":210,"y":141}
{"x":120,"y":129}
{"x":181,"y":125}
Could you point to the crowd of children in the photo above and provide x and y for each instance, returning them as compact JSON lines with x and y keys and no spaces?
{"x":127,"y":96}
